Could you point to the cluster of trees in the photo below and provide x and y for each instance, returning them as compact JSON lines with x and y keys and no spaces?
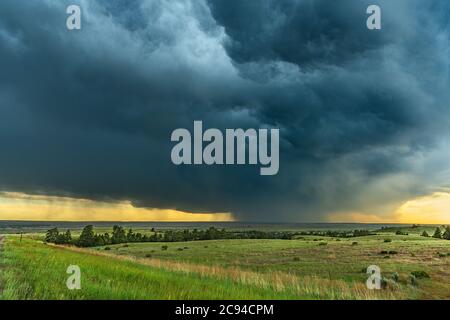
{"x":438,"y":234}
{"x":338,"y":234}
{"x":54,"y":236}
{"x":88,"y":238}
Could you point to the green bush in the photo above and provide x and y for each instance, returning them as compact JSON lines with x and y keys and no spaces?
{"x":107,"y":248}
{"x":354,"y":243}
{"x":420,"y":274}
{"x":389,"y":284}
{"x":387,"y":240}
{"x":437,"y":233}
{"x":413,"y":279}
{"x":395,"y":276}
{"x":164,"y":248}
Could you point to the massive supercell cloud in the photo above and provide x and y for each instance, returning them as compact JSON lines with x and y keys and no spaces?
{"x":364,"y":115}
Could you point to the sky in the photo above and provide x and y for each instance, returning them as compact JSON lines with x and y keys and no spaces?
{"x":86,"y":115}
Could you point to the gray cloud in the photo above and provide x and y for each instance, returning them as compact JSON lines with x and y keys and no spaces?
{"x":364,"y":115}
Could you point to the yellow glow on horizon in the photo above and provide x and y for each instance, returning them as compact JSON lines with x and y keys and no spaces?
{"x":19,"y":206}
{"x":431,"y":209}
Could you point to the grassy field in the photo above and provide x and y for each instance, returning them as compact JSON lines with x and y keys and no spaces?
{"x":305,"y":268}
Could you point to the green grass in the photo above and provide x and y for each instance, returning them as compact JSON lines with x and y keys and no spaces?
{"x":33,"y":270}
{"x":338,"y":260}
{"x":38,"y":271}
{"x":227,"y":269}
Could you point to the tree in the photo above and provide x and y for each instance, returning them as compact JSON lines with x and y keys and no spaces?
{"x":87,"y":237}
{"x":130,"y":236}
{"x":437,"y":234}
{"x":52,"y":235}
{"x":118,"y":235}
{"x":68,"y":237}
{"x":425,"y":234}
{"x":446,"y":234}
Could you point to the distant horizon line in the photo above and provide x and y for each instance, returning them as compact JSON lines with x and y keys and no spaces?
{"x":217,"y":222}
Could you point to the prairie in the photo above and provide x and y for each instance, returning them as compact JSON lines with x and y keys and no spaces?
{"x":308,"y":267}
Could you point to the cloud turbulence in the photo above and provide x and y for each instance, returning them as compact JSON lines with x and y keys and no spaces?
{"x":364,"y":115}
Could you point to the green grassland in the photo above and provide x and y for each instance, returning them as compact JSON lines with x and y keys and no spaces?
{"x":304,"y":268}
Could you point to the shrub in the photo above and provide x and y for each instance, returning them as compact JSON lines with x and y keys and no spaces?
{"x":425,"y":234}
{"x":389,"y":284}
{"x":322,"y":244}
{"x":437,"y":233}
{"x":186,"y":248}
{"x":125,"y":246}
{"x":387,"y":240}
{"x":148,"y":255}
{"x":384,"y":252}
{"x":164,"y":248}
{"x":413,"y":279}
{"x":420,"y":274}
{"x":393,"y":252}
{"x":296,"y":259}
{"x":354,"y":243}
{"x":107,"y":248}
{"x":386,"y":257}
{"x":395,"y":276}
{"x":441,"y":255}
{"x":180,"y":249}
{"x":446,"y":234}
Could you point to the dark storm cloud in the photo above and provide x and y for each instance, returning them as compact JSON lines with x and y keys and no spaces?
{"x":363,"y":114}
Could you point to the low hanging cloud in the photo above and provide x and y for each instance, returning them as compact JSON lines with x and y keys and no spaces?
{"x":364,"y":115}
